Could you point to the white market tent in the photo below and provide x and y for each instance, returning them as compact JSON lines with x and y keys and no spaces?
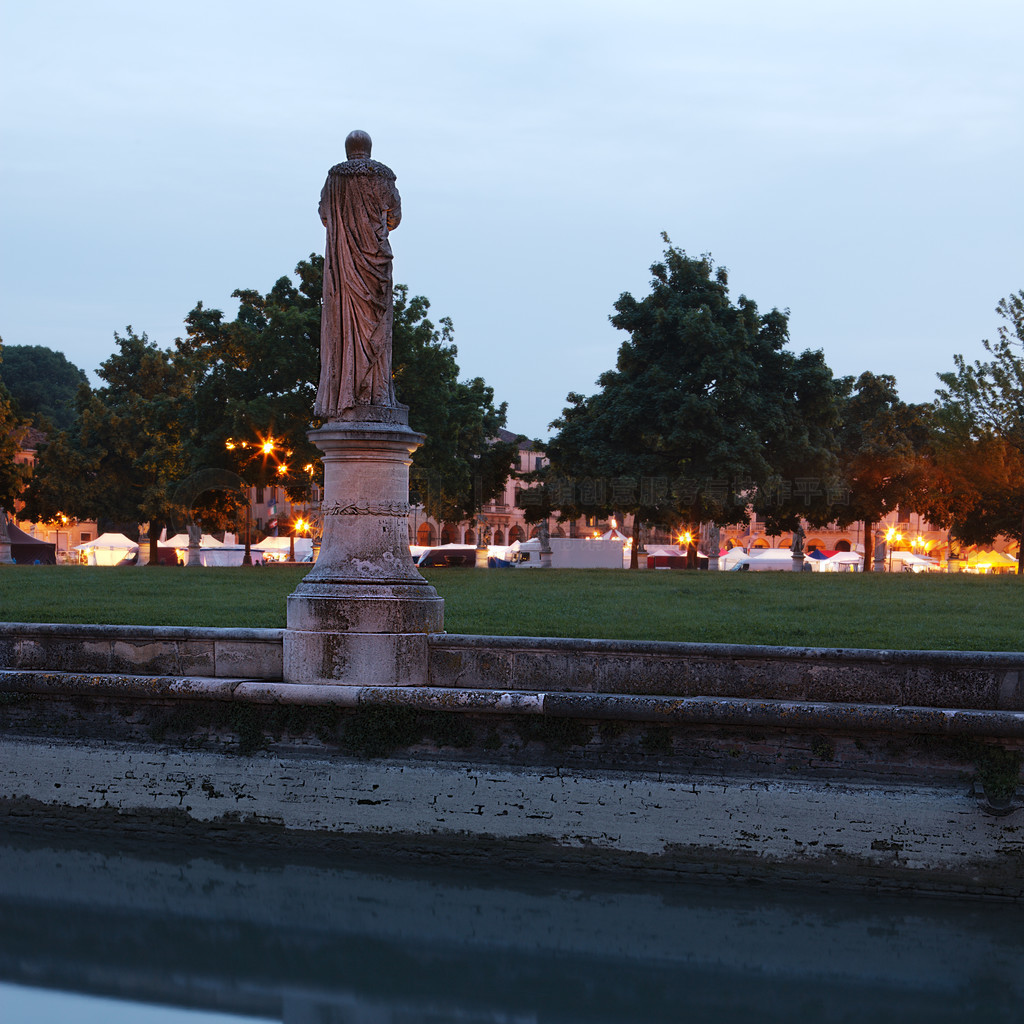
{"x":180,"y":541}
{"x":230,"y":554}
{"x":910,"y":562}
{"x":570,"y":553}
{"x":841,"y":561}
{"x":277,"y":549}
{"x":761,"y":559}
{"x":107,"y":549}
{"x":732,"y":557}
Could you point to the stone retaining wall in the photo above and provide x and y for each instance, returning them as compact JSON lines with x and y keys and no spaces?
{"x":894,"y":768}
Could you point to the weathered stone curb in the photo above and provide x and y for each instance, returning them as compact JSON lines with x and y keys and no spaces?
{"x":783,"y":714}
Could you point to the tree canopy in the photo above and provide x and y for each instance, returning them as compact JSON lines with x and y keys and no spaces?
{"x":882,"y":445}
{"x":258,"y":376}
{"x":13,"y":430}
{"x":131,"y":447}
{"x":463,"y":462}
{"x":44,"y":384}
{"x":706,"y":411}
{"x":980,"y":438}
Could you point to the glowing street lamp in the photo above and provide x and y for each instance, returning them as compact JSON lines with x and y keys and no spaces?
{"x":299,"y":526}
{"x":891,"y":538}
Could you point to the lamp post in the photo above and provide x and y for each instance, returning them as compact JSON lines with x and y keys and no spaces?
{"x":299,"y":526}
{"x":891,"y":538}
{"x":266,"y":446}
{"x":686,"y":538}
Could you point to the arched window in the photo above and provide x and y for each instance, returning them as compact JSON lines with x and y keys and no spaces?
{"x":535,"y":532}
{"x":448,"y":535}
{"x":470,"y":537}
{"x":425,"y":535}
{"x":842,"y":545}
{"x":499,"y":536}
{"x":516,"y":534}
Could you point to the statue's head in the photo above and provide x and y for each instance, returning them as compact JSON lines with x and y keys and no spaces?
{"x":357,"y":146}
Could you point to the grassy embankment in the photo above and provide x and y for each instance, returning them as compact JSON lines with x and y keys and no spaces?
{"x":927,"y":612}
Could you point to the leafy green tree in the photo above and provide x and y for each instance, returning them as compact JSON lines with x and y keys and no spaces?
{"x":980,"y":413}
{"x":883,"y":446}
{"x":255,"y":385}
{"x":13,"y":430}
{"x":43,"y":383}
{"x":463,"y":462}
{"x":706,"y":409}
{"x":259,"y":377}
{"x":132,"y":448}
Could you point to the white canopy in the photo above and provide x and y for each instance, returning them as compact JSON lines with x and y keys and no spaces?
{"x":108,"y":540}
{"x":180,"y":540}
{"x":911,"y":561}
{"x":108,"y":549}
{"x":280,"y":547}
{"x":845,"y":558}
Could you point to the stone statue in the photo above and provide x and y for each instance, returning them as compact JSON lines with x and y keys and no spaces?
{"x":711,"y":538}
{"x":880,"y":549}
{"x":797,"y":547}
{"x":359,"y":205}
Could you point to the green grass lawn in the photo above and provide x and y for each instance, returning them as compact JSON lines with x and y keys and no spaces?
{"x":926,"y":612}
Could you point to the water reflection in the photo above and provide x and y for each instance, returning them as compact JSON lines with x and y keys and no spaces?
{"x":302,"y":940}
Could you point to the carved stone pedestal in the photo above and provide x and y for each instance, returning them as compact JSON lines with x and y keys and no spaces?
{"x":363,"y":613}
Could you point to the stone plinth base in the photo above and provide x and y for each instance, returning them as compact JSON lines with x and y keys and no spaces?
{"x":372,"y":635}
{"x":363,"y":613}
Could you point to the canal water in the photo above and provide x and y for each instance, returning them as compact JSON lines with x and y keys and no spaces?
{"x":110,"y":929}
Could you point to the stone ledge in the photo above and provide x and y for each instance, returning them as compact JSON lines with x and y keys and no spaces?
{"x":978,"y":680}
{"x":699,"y":710}
{"x":142,"y":650}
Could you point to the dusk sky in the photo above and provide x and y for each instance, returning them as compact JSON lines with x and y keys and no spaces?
{"x":859,"y":165}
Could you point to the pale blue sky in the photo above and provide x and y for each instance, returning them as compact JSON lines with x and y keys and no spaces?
{"x":859,"y":165}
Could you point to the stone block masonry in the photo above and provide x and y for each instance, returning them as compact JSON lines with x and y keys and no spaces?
{"x":895,"y":769}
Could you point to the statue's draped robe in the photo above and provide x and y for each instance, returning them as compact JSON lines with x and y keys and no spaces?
{"x":359,"y":204}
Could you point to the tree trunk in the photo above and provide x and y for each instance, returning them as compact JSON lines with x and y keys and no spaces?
{"x":869,"y":546}
{"x":634,"y":554}
{"x":1020,"y":547}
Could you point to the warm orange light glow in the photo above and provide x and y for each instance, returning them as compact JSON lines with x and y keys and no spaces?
{"x":308,"y":467}
{"x":282,"y":470}
{"x":301,"y":525}
{"x":268,"y":446}
{"x":229,"y":445}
